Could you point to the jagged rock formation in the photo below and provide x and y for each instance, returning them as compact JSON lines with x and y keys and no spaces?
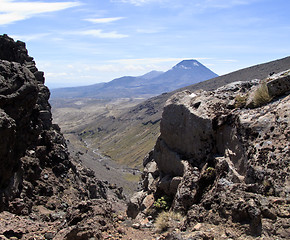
{"x":44,"y":194}
{"x":222,"y":159}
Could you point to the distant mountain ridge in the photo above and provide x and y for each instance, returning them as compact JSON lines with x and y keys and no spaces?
{"x":185,"y":73}
{"x":151,"y":74}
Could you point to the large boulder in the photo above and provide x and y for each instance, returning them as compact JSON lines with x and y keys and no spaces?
{"x":186,"y":126}
{"x":279,"y":84}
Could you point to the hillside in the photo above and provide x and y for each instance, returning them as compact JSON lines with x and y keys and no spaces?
{"x":222,"y":161}
{"x":138,"y":127}
{"x":150,"y":84}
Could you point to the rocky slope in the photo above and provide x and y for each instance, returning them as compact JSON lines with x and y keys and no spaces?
{"x":44,"y":193}
{"x":138,"y":126}
{"x":222,"y":160}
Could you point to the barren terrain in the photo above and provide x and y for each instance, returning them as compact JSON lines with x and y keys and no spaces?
{"x":76,"y":115}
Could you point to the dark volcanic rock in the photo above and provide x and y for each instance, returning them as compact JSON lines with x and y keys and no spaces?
{"x":22,"y":100}
{"x":43,"y":191}
{"x":14,"y":51}
{"x":18,"y":97}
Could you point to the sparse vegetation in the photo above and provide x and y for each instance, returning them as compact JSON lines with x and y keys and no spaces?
{"x":130,"y":145}
{"x":165,"y":220}
{"x":240,"y":101}
{"x":210,"y":172}
{"x":261,"y":96}
{"x":131,"y":177}
{"x":268,"y":188}
{"x":163,"y":203}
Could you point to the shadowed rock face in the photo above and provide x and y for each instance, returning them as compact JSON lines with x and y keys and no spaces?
{"x":14,"y":51}
{"x":222,"y":163}
{"x":23,"y":103}
{"x":39,"y":182}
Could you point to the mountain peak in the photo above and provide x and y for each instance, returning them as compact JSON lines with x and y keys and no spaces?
{"x":188,"y":64}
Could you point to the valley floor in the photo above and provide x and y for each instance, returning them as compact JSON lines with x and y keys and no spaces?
{"x":105,"y":168}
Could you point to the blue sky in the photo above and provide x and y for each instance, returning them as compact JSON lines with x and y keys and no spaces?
{"x":89,"y":41}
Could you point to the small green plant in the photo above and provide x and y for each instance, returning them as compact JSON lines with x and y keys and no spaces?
{"x":210,"y":171}
{"x":169,"y":219}
{"x":240,"y":101}
{"x":208,"y":176}
{"x":163,"y":203}
{"x":261,"y":96}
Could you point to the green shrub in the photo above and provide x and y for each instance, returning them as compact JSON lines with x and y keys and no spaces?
{"x":163,"y":203}
{"x":261,"y":96}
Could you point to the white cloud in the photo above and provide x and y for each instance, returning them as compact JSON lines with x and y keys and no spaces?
{"x":9,"y":18}
{"x":198,"y":3}
{"x":117,"y":68}
{"x":57,"y":74}
{"x":229,"y":60}
{"x":138,"y":2}
{"x":100,"y":34}
{"x":149,"y":31}
{"x":226,"y":4}
{"x":30,"y":37}
{"x":12,"y":11}
{"x":221,"y":4}
{"x":152,"y":60}
{"x":103,"y":20}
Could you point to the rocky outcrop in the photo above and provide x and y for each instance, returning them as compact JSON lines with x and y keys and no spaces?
{"x":222,"y":163}
{"x":44,"y":193}
{"x":279,"y":84}
{"x":23,"y":102}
